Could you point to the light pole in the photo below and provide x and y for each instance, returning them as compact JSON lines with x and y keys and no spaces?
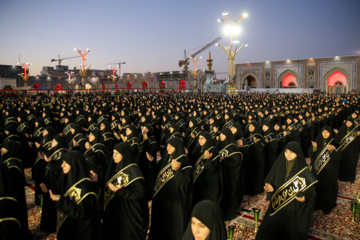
{"x":24,"y":75}
{"x":113,"y":77}
{"x":231,"y":28}
{"x":195,"y":72}
{"x":69,"y":79}
{"x":83,"y":68}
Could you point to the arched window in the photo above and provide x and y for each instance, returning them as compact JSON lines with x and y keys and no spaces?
{"x":337,"y":77}
{"x":288,"y":79}
{"x":144,"y":85}
{"x":162,"y":85}
{"x":182,"y":85}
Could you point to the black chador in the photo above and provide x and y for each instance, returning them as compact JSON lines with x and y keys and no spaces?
{"x":171,"y":204}
{"x":148,"y":145}
{"x":207,"y":176}
{"x":254,"y":176}
{"x":10,"y":159}
{"x":78,"y":203}
{"x":51,"y":182}
{"x":325,"y":166}
{"x":292,"y":197}
{"x":10,"y":225}
{"x":231,"y":160}
{"x":349,"y":146}
{"x":271,"y":146}
{"x":95,"y":154}
{"x":78,"y":140}
{"x":126,"y":213}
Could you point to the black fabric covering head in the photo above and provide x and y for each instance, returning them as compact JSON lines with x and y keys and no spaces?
{"x":79,"y":167}
{"x":175,"y":127}
{"x":193,"y":120}
{"x":256,"y":130}
{"x":280,"y":163}
{"x":107,"y":126}
{"x":23,"y":117}
{"x":270,"y":126}
{"x":320,"y":140}
{"x":124,"y":149}
{"x":11,"y":128}
{"x":127,"y":120}
{"x":239,"y":133}
{"x":6,"y":187}
{"x":77,"y":128}
{"x":13,"y":149}
{"x":51,"y":133}
{"x":208,"y":143}
{"x":151,"y":130}
{"x":97,"y":135}
{"x":134,"y":132}
{"x":178,"y":144}
{"x":62,"y":142}
{"x":210,"y":214}
{"x":229,"y":137}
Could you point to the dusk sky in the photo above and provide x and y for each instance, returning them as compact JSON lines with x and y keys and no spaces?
{"x":151,"y":35}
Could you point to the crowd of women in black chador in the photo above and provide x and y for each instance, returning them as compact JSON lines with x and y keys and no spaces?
{"x":95,"y":158}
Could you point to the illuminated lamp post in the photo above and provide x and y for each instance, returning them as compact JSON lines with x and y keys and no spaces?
{"x":69,"y":79}
{"x":83,"y":68}
{"x":113,"y":77}
{"x":24,"y":75}
{"x":231,"y":28}
{"x":195,"y":72}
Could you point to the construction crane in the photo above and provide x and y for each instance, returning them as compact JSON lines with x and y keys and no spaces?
{"x":185,"y":62}
{"x":60,"y":59}
{"x":119,"y":63}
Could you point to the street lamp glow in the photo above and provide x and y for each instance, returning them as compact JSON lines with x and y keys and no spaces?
{"x":245,"y":15}
{"x":232,"y":30}
{"x":225,"y":14}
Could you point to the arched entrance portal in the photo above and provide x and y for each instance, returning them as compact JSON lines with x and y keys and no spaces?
{"x":144,"y":85}
{"x":116,"y":86}
{"x":88,"y":86}
{"x":250,"y":81}
{"x":182,"y":85}
{"x":289,"y":81}
{"x":162,"y":85}
{"x":103,"y":86}
{"x":337,"y":83}
{"x":36,"y":86}
{"x":58,"y":87}
{"x":129,"y":86}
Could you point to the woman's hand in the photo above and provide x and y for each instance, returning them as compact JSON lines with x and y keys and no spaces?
{"x":175,"y":165}
{"x":43,"y":187}
{"x":300,"y":199}
{"x":54,"y":197}
{"x":268,"y":187}
{"x":149,"y":157}
{"x":114,"y":188}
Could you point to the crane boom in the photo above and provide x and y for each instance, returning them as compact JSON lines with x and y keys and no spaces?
{"x":60,"y":59}
{"x":206,"y":46}
{"x":185,"y":62}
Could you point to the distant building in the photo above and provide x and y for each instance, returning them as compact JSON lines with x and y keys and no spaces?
{"x":330,"y":75}
{"x":9,"y":75}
